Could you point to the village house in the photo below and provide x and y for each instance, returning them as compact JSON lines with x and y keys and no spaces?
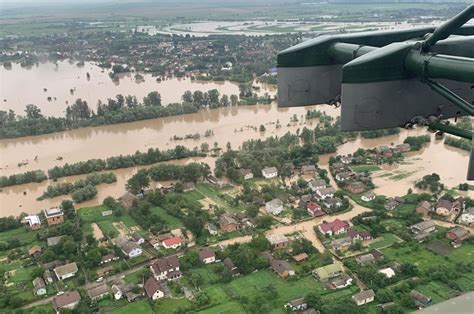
{"x":390,"y":204}
{"x":338,"y":167}
{"x":172,"y":243}
{"x":32,"y":221}
{"x":300,"y":258}
{"x":327,"y":272}
{"x":467,"y":216}
{"x":127,"y":200}
{"x":340,"y":281}
{"x":282,"y":268}
{"x":98,"y":292}
{"x":420,"y":299}
{"x":54,"y":215}
{"x":228,"y":223}
{"x":69,"y":300}
{"x":269,"y":172}
{"x":308,"y":169}
{"x":296,"y":305}
{"x":423,"y":207}
{"x":325,"y":193}
{"x":357,"y":235}
{"x":215,"y":181}
{"x":106,"y":213}
{"x":188,"y":187}
{"x":211,"y":228}
{"x":347,"y":159}
{"x":315,"y":185}
{"x":109,"y":258}
{"x":384,"y":150}
{"x":66,"y":271}
{"x":138,"y":239}
{"x":423,"y":227}
{"x":230,"y":266}
{"x":342,"y":176}
{"x":388,"y":272}
{"x":356,"y":187}
{"x":278,"y":241}
{"x":247,"y":174}
{"x":35,"y":251}
{"x":130,"y":249}
{"x":368,"y":196}
{"x":49,"y":277}
{"x":444,"y":207}
{"x":363,"y":297}
{"x":153,"y":289}
{"x":39,"y":286}
{"x":207,"y":256}
{"x":403,"y":148}
{"x":372,"y":256}
{"x":341,"y":243}
{"x":166,"y":268}
{"x":104,"y":271}
{"x":334,"y":202}
{"x":457,"y":235}
{"x":274,"y":207}
{"x":314,"y":209}
{"x":334,"y":227}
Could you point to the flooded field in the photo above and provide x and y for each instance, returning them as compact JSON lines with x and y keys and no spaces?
{"x":252,"y":28}
{"x":21,"y":86}
{"x":229,"y":125}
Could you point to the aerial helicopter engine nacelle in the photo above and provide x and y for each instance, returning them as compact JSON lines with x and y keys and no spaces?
{"x":386,"y":79}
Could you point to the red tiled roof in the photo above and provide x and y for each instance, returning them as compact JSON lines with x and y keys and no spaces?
{"x":334,"y":226}
{"x":172,"y":241}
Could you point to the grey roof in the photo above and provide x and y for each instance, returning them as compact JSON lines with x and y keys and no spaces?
{"x":38,"y":283}
{"x":469,"y":211}
{"x":363,"y":295}
{"x":424,"y":225}
{"x":268,"y":170}
{"x":129,"y":246}
{"x":66,"y":269}
{"x":275,"y":202}
{"x":459,"y":231}
{"x":98,"y":291}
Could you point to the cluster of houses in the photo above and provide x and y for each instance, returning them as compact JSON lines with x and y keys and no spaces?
{"x":229,"y":222}
{"x":53,"y":272}
{"x":423,"y":230}
{"x":354,"y":182}
{"x":52,"y":216}
{"x":346,"y":235}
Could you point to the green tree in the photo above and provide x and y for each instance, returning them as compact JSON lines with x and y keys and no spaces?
{"x":152,"y":99}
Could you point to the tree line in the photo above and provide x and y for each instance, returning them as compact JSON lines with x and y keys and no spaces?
{"x":78,"y":188}
{"x":153,"y":155}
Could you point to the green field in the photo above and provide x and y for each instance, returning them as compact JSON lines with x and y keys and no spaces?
{"x":93,"y":214}
{"x":169,"y":306}
{"x":142,"y":306}
{"x":437,"y":291}
{"x":362,"y":168}
{"x":421,"y":257}
{"x":249,"y":285}
{"x":170,"y":221}
{"x":388,"y":239}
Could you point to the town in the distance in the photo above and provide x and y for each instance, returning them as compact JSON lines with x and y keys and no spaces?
{"x":145,"y":167}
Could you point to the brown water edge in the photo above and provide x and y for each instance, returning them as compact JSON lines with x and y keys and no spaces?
{"x":21,"y":86}
{"x":430,"y":159}
{"x":228,"y":124}
{"x":13,"y":201}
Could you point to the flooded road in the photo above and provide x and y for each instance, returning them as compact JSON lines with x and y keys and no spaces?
{"x":21,"y":86}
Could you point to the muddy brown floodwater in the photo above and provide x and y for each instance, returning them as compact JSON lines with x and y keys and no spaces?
{"x":21,"y":86}
{"x":234,"y":125}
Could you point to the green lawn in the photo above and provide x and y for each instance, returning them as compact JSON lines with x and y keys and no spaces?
{"x":388,"y":239}
{"x":171,"y":221}
{"x":362,"y":168}
{"x":93,"y":214}
{"x":466,"y":282}
{"x":206,"y":274}
{"x":26,"y":237}
{"x":423,"y":258}
{"x":254,"y":283}
{"x":142,"y":307}
{"x":135,"y":277}
{"x":437,"y":291}
{"x":169,"y":306}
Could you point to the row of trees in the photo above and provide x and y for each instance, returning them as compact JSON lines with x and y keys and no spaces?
{"x":123,"y":161}
{"x":22,"y":178}
{"x":77,"y":188}
{"x":416,"y":142}
{"x":191,"y":172}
